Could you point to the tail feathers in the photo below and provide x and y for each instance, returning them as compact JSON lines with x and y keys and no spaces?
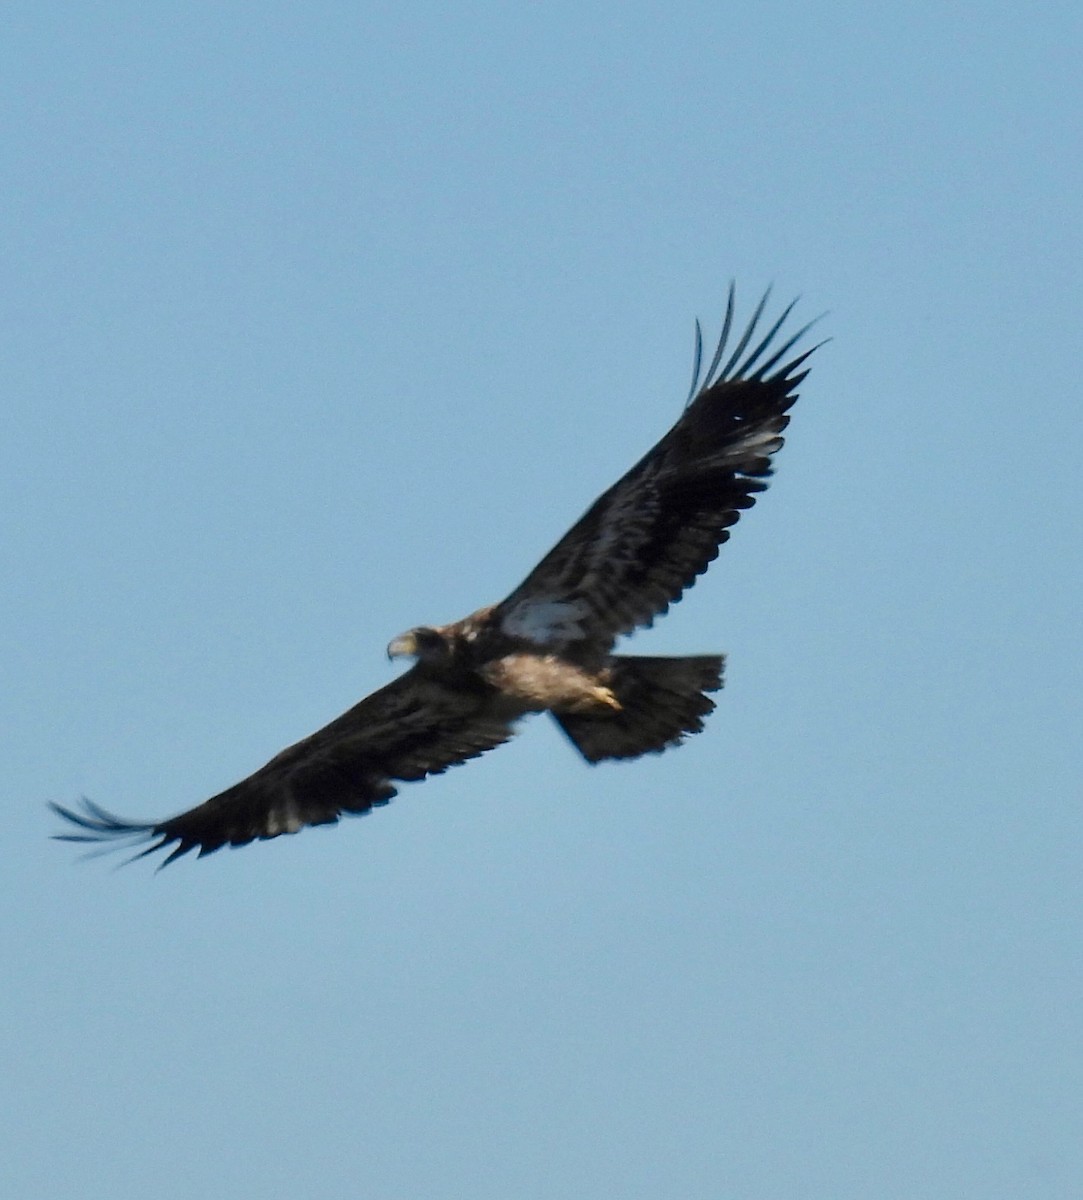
{"x":661,"y":701}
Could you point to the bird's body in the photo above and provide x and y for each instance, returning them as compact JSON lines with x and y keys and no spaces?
{"x":547,"y":647}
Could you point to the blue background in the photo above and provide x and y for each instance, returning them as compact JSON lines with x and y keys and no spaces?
{"x":321,"y":321}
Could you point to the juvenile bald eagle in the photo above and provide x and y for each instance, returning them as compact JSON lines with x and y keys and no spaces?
{"x":548,"y":647}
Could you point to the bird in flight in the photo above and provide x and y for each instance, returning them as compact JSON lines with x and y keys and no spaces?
{"x":548,"y":646}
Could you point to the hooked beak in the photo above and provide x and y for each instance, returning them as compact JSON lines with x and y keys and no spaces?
{"x":404,"y":646}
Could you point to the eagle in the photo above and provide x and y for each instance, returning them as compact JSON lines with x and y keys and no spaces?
{"x":549,"y":645}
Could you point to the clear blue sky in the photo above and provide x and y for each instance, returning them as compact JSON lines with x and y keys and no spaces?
{"x":321,"y":321}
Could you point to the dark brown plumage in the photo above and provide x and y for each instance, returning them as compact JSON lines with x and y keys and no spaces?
{"x":548,"y":646}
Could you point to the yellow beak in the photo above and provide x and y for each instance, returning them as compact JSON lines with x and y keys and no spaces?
{"x":404,"y":646}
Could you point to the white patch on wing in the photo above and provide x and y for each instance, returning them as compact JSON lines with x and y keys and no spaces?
{"x":626,"y":525}
{"x":292,"y":818}
{"x":283,"y":817}
{"x":762,"y":441}
{"x":545,"y":621}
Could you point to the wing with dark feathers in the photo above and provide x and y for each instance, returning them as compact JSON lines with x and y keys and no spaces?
{"x":653,"y":532}
{"x":409,"y":729}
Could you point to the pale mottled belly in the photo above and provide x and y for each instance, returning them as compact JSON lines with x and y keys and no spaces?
{"x":545,"y":681}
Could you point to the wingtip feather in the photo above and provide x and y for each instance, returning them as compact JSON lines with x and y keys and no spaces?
{"x":741,"y":361}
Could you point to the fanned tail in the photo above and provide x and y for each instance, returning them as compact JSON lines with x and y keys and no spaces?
{"x":662,"y":701}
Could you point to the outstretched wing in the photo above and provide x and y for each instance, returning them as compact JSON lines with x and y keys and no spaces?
{"x":653,"y":532}
{"x":411,"y":728}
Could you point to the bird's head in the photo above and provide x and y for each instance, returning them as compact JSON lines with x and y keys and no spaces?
{"x":423,"y":643}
